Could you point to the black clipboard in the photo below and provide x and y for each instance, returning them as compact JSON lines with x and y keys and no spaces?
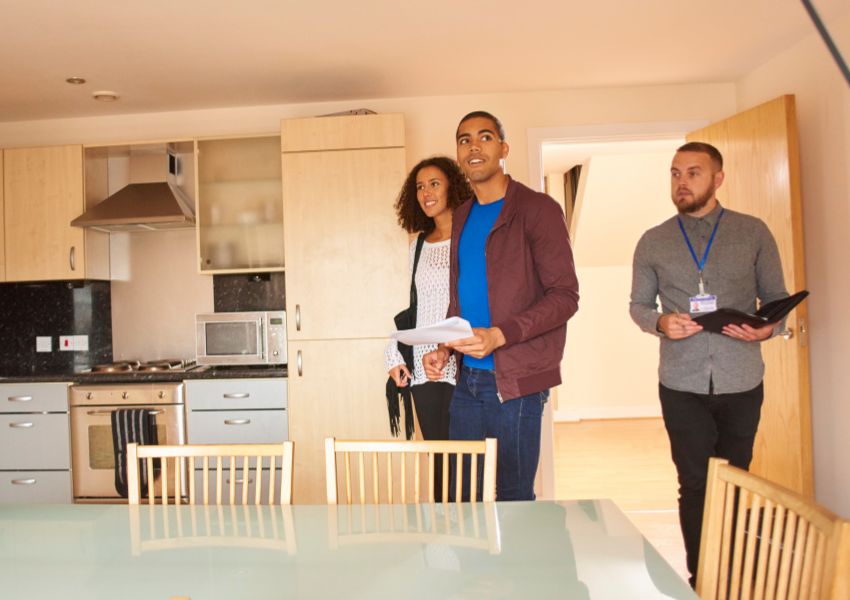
{"x":772,"y":312}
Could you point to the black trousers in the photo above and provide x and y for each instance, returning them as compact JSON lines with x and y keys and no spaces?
{"x":431,"y":401}
{"x":701,"y":426}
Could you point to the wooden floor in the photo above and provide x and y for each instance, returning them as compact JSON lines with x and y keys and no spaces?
{"x":627,"y":460}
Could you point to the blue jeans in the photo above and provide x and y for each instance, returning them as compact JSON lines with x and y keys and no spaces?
{"x":476,"y":413}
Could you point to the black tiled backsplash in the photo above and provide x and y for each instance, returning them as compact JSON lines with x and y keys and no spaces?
{"x":261,"y":291}
{"x":54,"y":309}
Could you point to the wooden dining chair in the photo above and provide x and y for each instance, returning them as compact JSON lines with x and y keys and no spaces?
{"x":760,"y":540}
{"x":403,"y":471}
{"x":241,"y":467}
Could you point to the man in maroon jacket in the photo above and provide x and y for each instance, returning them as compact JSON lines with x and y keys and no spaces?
{"x":513,"y":278}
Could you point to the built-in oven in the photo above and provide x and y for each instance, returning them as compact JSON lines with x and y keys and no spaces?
{"x":241,"y":338}
{"x":92,"y":451}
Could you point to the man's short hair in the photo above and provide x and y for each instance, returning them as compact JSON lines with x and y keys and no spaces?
{"x":484,"y":115}
{"x":704,"y":148}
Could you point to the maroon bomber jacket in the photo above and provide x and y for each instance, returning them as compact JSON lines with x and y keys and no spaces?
{"x":532,"y":288}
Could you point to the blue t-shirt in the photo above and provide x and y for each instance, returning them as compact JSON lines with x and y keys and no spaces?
{"x":472,"y":275}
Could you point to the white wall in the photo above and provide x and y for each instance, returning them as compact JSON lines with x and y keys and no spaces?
{"x":610,"y":366}
{"x":823,"y":120}
{"x":156,"y":292}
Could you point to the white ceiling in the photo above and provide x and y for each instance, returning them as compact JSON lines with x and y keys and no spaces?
{"x":162,"y":55}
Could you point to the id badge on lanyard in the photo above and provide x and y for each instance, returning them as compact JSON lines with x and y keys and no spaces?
{"x":702,"y":302}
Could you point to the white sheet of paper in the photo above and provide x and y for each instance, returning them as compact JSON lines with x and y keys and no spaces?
{"x":451,"y":329}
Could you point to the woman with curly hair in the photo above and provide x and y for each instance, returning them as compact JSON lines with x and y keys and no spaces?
{"x":431,"y":192}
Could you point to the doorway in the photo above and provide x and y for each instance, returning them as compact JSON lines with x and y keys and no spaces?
{"x":609,"y":436}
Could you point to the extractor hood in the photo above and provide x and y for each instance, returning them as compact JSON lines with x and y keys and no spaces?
{"x":139,"y":206}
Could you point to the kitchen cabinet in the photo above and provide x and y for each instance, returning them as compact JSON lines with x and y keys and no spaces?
{"x":35,"y":456}
{"x":346,"y":254}
{"x":239,"y":208}
{"x":237,"y":411}
{"x":43,"y":192}
{"x":346,"y":277}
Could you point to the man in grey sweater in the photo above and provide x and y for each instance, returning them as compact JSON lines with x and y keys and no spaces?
{"x":705,"y":258}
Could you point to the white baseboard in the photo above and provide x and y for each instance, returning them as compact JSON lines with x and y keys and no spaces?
{"x":606,"y":412}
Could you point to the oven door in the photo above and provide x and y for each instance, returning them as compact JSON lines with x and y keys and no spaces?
{"x":231,"y":339}
{"x":93,"y":457}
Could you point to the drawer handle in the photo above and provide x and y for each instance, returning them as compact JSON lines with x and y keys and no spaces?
{"x":20,"y":398}
{"x":96,"y":413}
{"x":22,"y":425}
{"x":237,"y":421}
{"x":299,"y":363}
{"x":23,"y":481}
{"x":297,"y":317}
{"x":240,"y":481}
{"x":72,"y":258}
{"x":237,"y":395}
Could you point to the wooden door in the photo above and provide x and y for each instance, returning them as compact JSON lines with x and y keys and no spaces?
{"x":346,"y":259}
{"x":336,"y":389}
{"x":43,"y":193}
{"x":761,"y":161}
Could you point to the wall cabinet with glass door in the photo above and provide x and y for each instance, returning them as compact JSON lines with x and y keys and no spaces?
{"x":43,"y":192}
{"x":239,"y":208}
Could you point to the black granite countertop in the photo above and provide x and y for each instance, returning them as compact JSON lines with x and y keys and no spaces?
{"x":201,"y":372}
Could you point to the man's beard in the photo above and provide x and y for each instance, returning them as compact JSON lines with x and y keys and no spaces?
{"x":697,"y":204}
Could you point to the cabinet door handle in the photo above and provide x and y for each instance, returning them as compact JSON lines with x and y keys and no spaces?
{"x":21,"y":425}
{"x":19,"y":398}
{"x":297,"y":317}
{"x":237,"y":395}
{"x":30,"y":481}
{"x":72,"y":258}
{"x":237,"y":421}
{"x":299,"y":363}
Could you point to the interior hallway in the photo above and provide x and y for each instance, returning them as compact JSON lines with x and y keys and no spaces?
{"x":627,"y":460}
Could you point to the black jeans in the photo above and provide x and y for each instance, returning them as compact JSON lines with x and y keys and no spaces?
{"x":701,"y":426}
{"x":432,"y":400}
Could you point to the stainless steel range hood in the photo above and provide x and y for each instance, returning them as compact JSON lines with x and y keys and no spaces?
{"x":140,"y":206}
{"x":139,"y":187}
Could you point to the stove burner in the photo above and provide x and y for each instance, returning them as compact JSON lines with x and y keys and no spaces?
{"x":126,"y":366}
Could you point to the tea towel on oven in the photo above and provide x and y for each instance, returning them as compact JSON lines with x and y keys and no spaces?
{"x":131,"y":425}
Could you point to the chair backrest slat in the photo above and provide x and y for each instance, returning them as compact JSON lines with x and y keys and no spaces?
{"x":762,"y":541}
{"x":404,"y":479}
{"x":245,"y":460}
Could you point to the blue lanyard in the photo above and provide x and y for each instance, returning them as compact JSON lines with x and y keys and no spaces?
{"x":700,"y":263}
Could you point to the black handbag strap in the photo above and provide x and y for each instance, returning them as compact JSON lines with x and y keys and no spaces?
{"x":420,"y":241}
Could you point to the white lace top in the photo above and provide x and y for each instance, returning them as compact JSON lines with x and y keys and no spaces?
{"x":432,"y":302}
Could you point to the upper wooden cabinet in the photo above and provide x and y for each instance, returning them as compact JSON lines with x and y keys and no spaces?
{"x":43,"y":192}
{"x":346,"y":255}
{"x":239,"y":209}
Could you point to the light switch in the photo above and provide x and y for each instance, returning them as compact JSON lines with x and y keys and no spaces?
{"x":66,"y":343}
{"x":43,"y":343}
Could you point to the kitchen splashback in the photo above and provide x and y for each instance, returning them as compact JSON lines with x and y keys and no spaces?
{"x":54,"y":309}
{"x":239,"y":293}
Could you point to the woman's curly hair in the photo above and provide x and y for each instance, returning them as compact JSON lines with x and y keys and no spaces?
{"x":410,"y":215}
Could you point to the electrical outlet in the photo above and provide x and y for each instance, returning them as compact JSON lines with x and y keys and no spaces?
{"x":66,"y":343}
{"x":43,"y":343}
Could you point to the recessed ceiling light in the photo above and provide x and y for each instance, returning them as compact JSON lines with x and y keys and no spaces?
{"x":105,"y":96}
{"x":76,"y":80}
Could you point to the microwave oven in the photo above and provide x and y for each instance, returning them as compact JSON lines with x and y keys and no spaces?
{"x":241,"y":338}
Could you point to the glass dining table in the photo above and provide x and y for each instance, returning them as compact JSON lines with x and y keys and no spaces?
{"x":582,"y":549}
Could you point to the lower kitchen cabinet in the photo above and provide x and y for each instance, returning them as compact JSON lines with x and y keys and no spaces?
{"x":336,"y":389}
{"x":35,"y":457}
{"x":236,"y":411}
